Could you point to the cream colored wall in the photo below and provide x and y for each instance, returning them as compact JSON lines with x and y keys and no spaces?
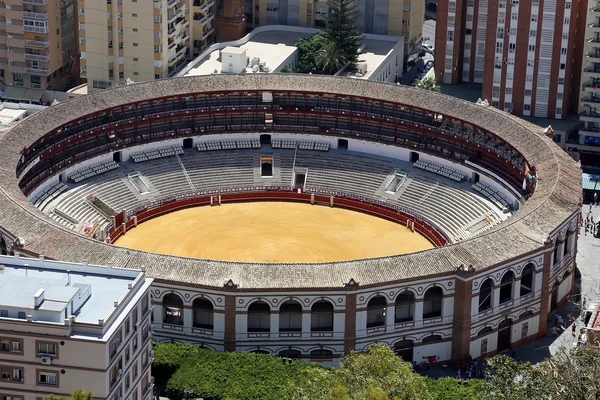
{"x":144,"y":38}
{"x":96,"y":41}
{"x":395,"y":16}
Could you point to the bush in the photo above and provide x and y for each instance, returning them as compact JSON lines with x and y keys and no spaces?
{"x":453,"y":389}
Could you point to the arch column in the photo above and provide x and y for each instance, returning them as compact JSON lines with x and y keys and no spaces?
{"x":188,"y":317}
{"x":461,"y":321}
{"x":158,"y":313}
{"x":274,"y":321}
{"x":306,"y":321}
{"x":390,"y":317}
{"x":418,"y":312}
{"x":350,"y":323}
{"x":495,"y":297}
{"x":544,"y":300}
{"x":230,"y":317}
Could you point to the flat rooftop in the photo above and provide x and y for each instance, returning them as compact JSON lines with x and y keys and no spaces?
{"x":374,"y":53}
{"x":8,"y":115}
{"x":19,"y":285}
{"x":273,"y":47}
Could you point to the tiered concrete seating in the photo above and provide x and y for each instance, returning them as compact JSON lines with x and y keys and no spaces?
{"x":93,"y":170}
{"x":440,"y":169}
{"x":283,"y":143}
{"x":47,"y":196}
{"x":156,"y":153}
{"x":229,"y":144}
{"x":492,"y":194}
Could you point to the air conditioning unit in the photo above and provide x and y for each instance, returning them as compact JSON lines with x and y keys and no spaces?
{"x":46,"y":360}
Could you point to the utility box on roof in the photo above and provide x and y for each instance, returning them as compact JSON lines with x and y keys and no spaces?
{"x":233,"y":60}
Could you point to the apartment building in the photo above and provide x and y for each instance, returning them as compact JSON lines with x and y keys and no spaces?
{"x":37,"y":47}
{"x":526,"y":53}
{"x":65,"y":327}
{"x":129,"y":40}
{"x":588,"y":144}
{"x":382,"y":17}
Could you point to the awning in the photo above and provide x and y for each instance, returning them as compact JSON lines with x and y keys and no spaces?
{"x":590,"y":182}
{"x":22,"y":94}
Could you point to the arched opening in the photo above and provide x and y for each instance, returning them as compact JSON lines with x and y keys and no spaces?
{"x":173,"y":309}
{"x":321,"y":319}
{"x":117,"y":156}
{"x":527,"y":280}
{"x":259,"y":352}
{"x":321,"y":355}
{"x":485,"y":331}
{"x":188,"y":143}
{"x":342,"y":144}
{"x":554,"y":296}
{"x":526,"y":315}
{"x":555,"y":254}
{"x":404,"y":349}
{"x":376,"y":312}
{"x":567,"y":246}
{"x":405,"y":307}
{"x":291,"y":354}
{"x":475,"y":177}
{"x":504,"y":335}
{"x":203,"y":314}
{"x":290,"y":317}
{"x":432,"y":339}
{"x":506,"y":287}
{"x":414,"y":156}
{"x":566,"y":275}
{"x":485,"y":295}
{"x":259,"y":317}
{"x":432,"y":302}
{"x":265,"y":139}
{"x":3,"y":247}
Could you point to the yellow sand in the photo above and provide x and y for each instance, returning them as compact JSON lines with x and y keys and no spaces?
{"x":273,"y":232}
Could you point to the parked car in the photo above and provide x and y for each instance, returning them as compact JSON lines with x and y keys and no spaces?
{"x":428,"y":65}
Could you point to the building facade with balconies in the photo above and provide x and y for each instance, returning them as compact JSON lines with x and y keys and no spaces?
{"x":30,"y":30}
{"x":588,"y":145}
{"x":65,"y":327}
{"x":526,"y":53}
{"x":125,"y":40}
{"x":202,"y":24}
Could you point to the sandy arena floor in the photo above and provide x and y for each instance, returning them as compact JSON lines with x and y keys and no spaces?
{"x":273,"y":232}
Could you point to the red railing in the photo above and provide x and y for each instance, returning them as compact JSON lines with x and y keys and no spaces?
{"x":378,"y":210}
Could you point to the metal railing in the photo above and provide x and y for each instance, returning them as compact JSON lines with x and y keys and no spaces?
{"x":35,"y":15}
{"x":37,"y":57}
{"x":36,"y":29}
{"x":37,"y":71}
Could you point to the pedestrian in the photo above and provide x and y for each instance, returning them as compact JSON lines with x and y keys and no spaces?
{"x":596,"y":198}
{"x":458,"y":376}
{"x":574,"y":329}
{"x":561,"y":321}
{"x":556,"y":320}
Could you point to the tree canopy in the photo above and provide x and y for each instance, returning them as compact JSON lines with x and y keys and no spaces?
{"x":77,"y":395}
{"x":427,"y":84}
{"x":341,"y":28}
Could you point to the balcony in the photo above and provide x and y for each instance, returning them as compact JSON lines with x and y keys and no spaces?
{"x":595,"y":9}
{"x":38,"y":71}
{"x":590,"y":101}
{"x":36,"y":43}
{"x":36,"y":2}
{"x":35,"y":15}
{"x":36,"y":29}
{"x":206,"y":33}
{"x":37,"y":57}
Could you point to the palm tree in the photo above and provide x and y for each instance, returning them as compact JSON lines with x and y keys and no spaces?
{"x":427,"y":84}
{"x":329,"y":58}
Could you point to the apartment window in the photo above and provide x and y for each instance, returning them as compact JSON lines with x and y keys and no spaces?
{"x":121,"y":75}
{"x":527,"y":107}
{"x":157,"y":76}
{"x":21,"y":314}
{"x":529,"y":78}
{"x":135,"y":74}
{"x":101,"y":84}
{"x":404,"y":22}
{"x":135,"y":59}
{"x":17,"y":375}
{"x":567,"y":21}
{"x":110,"y":44}
{"x":108,"y":15}
{"x":82,"y":41}
{"x":531,"y":47}
{"x":530,"y":63}
{"x":134,"y":372}
{"x":565,"y":36}
{"x":120,"y":16}
{"x":134,"y":15}
{"x":5,"y":376}
{"x":495,"y":91}
{"x":135,"y":29}
{"x":4,"y":313}
{"x":157,"y":48}
{"x":157,"y":19}
{"x":512,"y":47}
{"x":47,"y":378}
{"x":5,"y":345}
{"x":563,"y":50}
{"x":145,"y":305}
{"x":111,"y":73}
{"x":468,"y":31}
{"x":135,"y":44}
{"x":561,"y":81}
{"x":514,"y":17}
{"x":406,"y":7}
{"x":567,"y":5}
{"x":558,"y":110}
{"x":527,"y":92}
{"x":157,"y":5}
{"x":507,"y":105}
{"x":120,"y":45}
{"x":563,"y":66}
{"x":46,"y":348}
{"x":16,"y":347}
{"x":135,"y":343}
{"x":534,"y":18}
{"x":559,"y":96}
{"x":127,"y":382}
{"x":508,"y":90}
{"x":532,"y":33}
{"x":127,"y":354}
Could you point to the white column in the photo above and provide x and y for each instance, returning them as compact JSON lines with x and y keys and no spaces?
{"x":390,"y":317}
{"x":495,"y":297}
{"x":419,"y":312}
{"x":188,"y":317}
{"x":274,"y":323}
{"x":517,"y":290}
{"x":306,"y":319}
{"x":158,"y":314}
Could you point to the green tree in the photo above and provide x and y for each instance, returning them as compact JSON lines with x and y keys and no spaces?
{"x":427,"y":84}
{"x":308,"y":47}
{"x":329,"y":58}
{"x":341,"y":28}
{"x":453,"y":389}
{"x":77,"y":395}
{"x":575,"y":373}
{"x":507,"y":379}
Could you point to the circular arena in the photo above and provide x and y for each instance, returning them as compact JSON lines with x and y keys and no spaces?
{"x":302,"y":215}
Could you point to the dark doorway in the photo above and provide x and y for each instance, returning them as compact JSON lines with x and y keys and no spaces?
{"x":504,"y":331}
{"x":342,"y":144}
{"x":117,"y":156}
{"x":475,"y":177}
{"x":404,"y":349}
{"x":3,"y":248}
{"x":300,"y":179}
{"x":266,"y":169}
{"x":414,"y":156}
{"x":265,"y":139}
{"x":188,"y":143}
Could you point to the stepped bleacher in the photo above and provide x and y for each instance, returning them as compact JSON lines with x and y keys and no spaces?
{"x":156,"y":153}
{"x":229,"y":144}
{"x":492,"y":194}
{"x":93,"y":170}
{"x":440,"y":169}
{"x":455,"y":210}
{"x":49,"y":194}
{"x":302,"y":144}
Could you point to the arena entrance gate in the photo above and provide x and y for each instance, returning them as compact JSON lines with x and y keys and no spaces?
{"x":188,"y":143}
{"x":265,"y":139}
{"x":414,"y":156}
{"x":342,"y":144}
{"x":266,"y":166}
{"x":504,"y":333}
{"x":117,"y":156}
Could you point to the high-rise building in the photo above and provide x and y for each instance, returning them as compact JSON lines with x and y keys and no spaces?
{"x":382,"y":17}
{"x":526,"y":53}
{"x":71,"y":326}
{"x":122,"y":40}
{"x":37,"y":47}
{"x":588,"y":144}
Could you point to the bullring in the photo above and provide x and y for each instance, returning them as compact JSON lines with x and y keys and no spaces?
{"x":472,"y":295}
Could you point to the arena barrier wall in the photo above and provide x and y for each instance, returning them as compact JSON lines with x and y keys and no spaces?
{"x":378,"y":210}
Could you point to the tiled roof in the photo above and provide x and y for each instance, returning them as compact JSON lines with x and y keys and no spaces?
{"x":556,"y":198}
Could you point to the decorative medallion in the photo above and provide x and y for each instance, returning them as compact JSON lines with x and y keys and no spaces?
{"x":241,"y":301}
{"x":219,"y":300}
{"x":361,"y":298}
{"x":187,"y":295}
{"x":274,"y":301}
{"x":340,"y":300}
{"x":476,"y":284}
{"x":306,"y":300}
{"x":449,"y":283}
